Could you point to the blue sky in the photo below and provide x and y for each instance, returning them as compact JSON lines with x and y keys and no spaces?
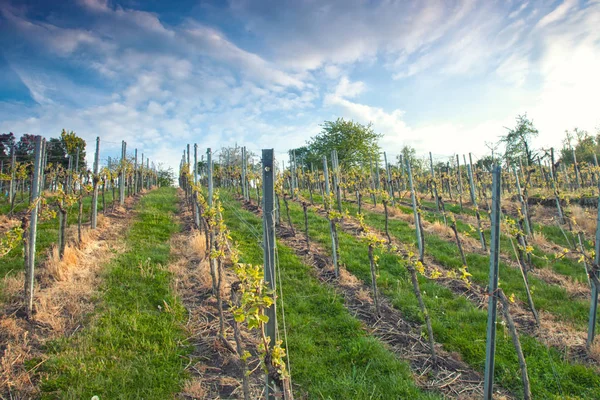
{"x":442,"y":76}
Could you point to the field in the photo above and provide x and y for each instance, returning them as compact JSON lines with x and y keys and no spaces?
{"x":378,"y":280}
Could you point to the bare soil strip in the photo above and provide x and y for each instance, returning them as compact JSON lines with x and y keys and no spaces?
{"x":214,"y":370}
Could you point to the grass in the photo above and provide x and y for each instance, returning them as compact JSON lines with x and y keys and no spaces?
{"x":457,"y":323}
{"x":133,"y":344}
{"x":331,"y":355}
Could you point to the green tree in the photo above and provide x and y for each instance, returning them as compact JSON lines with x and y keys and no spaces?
{"x":518,"y":141}
{"x":25,"y":148}
{"x":585,"y":147}
{"x":71,"y":143}
{"x":303,"y":157}
{"x":7,"y":140}
{"x":56,"y":152}
{"x":409,"y":153}
{"x":165,"y":177}
{"x":355,"y":143}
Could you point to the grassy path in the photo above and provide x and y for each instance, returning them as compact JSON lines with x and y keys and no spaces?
{"x":332,"y":357}
{"x":131,"y":347}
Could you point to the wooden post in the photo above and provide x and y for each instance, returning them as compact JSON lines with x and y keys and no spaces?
{"x":488,"y":390}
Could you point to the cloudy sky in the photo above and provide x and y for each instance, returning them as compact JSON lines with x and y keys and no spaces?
{"x":442,"y":76}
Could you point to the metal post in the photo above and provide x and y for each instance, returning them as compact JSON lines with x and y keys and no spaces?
{"x":523,"y":203}
{"x":460,"y":186}
{"x":43,"y":165}
{"x":96,"y":178}
{"x":413,"y":196}
{"x":331,"y":222}
{"x":244,"y":191}
{"x":269,"y":256}
{"x":326,"y":177}
{"x":135,"y":173}
{"x":389,"y":178}
{"x":122,"y":174}
{"x":493,"y":287}
{"x":594,"y":283}
{"x":33,"y":223}
{"x":210,"y":176}
{"x":437,"y":199}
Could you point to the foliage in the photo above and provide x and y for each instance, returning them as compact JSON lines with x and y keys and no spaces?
{"x":7,"y":140}
{"x":585,"y":147}
{"x":518,"y":141}
{"x":355,"y":143}
{"x":166,"y":177}
{"x":409,"y":153}
{"x":71,"y":142}
{"x":25,"y":148}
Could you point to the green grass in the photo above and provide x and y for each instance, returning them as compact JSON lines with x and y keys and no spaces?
{"x":47,"y":233}
{"x":457,"y":323}
{"x":331,"y":356}
{"x":132,"y":345}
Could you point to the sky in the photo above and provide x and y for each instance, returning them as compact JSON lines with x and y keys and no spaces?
{"x":442,"y":76}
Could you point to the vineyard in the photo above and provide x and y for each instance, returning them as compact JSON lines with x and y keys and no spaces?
{"x":328,"y":277}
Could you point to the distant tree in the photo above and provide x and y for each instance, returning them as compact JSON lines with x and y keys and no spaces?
{"x":7,"y":140}
{"x":486,"y":163}
{"x":166,"y":177}
{"x":409,"y":153}
{"x":25,"y":148}
{"x":303,"y":157}
{"x":585,"y":146}
{"x":355,"y":143}
{"x":518,"y":141}
{"x":56,"y":152}
{"x":71,"y":143}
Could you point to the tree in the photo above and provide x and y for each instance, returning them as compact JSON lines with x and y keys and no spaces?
{"x":518,"y":141}
{"x":25,"y":148}
{"x":409,"y":153}
{"x":56,"y":152}
{"x":303,"y":157}
{"x":71,"y":143}
{"x":585,"y":148}
{"x":166,"y":177}
{"x":7,"y":140}
{"x":486,"y":163}
{"x":355,"y":143}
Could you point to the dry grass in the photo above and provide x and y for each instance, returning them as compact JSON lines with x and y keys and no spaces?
{"x":197,"y":242}
{"x":574,"y":288}
{"x":62,"y":297}
{"x":584,"y":219}
{"x":595,"y":350}
{"x":347,"y":279}
{"x":439,"y":229}
{"x":194,"y":390}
